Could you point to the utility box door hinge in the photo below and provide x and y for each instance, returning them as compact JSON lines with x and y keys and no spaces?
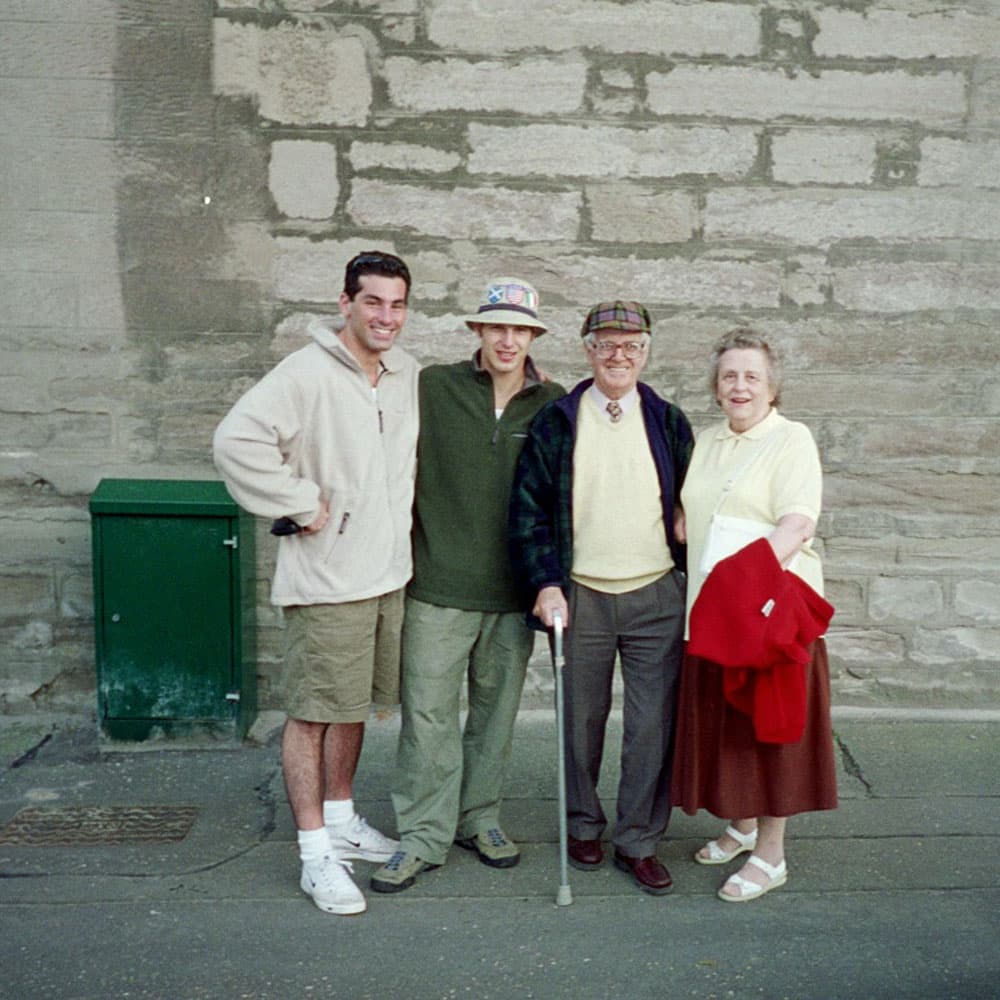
{"x":233,"y":542}
{"x":232,"y":696}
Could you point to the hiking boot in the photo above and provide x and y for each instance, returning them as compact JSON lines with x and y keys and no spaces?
{"x":493,"y":848}
{"x":332,"y":890}
{"x":357,"y":839}
{"x":400,"y":872}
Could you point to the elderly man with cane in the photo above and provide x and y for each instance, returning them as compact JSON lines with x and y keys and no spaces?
{"x":592,"y":540}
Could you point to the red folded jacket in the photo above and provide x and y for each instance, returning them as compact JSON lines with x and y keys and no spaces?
{"x":758,"y":620}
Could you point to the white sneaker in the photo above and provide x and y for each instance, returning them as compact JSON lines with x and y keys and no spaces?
{"x":331,"y":887}
{"x":357,"y":839}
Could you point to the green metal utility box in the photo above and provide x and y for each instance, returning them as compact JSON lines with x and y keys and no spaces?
{"x":174,"y":574}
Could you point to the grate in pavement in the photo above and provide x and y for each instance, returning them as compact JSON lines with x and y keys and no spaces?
{"x":84,"y":826}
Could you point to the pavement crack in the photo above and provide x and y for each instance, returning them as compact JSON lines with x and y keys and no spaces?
{"x":29,"y":755}
{"x":852,"y":767}
{"x":266,"y":796}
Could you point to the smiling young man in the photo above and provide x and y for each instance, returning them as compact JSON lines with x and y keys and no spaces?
{"x":326,"y":441}
{"x":592,"y":538}
{"x":463,"y":620}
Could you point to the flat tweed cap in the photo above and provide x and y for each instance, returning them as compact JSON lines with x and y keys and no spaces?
{"x":624,"y":317}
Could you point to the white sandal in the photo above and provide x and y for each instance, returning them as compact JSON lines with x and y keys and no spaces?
{"x":778,"y":875}
{"x":717,"y":856}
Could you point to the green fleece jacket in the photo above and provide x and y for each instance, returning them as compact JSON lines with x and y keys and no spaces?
{"x":465,"y":468}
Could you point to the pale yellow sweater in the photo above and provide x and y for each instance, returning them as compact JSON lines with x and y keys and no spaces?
{"x":619,"y":543}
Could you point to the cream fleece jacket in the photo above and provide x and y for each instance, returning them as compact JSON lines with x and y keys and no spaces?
{"x":314,"y":428}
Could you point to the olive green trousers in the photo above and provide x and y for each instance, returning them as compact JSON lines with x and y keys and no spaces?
{"x":449,"y":778}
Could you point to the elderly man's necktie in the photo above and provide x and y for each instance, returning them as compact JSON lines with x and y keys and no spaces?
{"x":615,"y":409}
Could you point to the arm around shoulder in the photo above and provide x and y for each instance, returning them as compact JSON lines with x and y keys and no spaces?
{"x":680,"y":437}
{"x":533,"y":512}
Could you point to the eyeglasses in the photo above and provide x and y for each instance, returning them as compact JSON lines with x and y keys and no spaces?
{"x":609,"y":348}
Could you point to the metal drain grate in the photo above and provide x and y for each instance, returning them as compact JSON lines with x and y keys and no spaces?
{"x":85,"y":826}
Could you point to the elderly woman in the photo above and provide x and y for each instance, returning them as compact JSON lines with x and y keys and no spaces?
{"x":732,"y":758}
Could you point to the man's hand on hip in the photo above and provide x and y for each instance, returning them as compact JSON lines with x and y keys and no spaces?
{"x":318,"y":523}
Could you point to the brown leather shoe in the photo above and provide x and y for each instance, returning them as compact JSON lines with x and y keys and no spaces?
{"x":647,"y":873}
{"x":584,"y":855}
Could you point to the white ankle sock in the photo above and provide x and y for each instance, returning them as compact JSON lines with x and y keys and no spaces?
{"x":314,"y":844}
{"x":337,"y":812}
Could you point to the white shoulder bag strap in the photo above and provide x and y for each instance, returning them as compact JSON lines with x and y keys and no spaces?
{"x":726,"y":534}
{"x":776,"y":437}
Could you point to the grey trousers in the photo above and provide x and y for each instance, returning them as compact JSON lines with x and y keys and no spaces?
{"x":646,"y":628}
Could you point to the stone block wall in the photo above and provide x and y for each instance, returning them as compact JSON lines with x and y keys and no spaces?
{"x":182,"y":184}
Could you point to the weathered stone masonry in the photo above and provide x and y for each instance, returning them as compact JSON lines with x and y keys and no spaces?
{"x":182,"y":183}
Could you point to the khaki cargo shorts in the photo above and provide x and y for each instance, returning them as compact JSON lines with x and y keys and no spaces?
{"x":340,"y":659}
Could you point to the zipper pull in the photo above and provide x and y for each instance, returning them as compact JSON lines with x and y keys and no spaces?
{"x":343,"y":522}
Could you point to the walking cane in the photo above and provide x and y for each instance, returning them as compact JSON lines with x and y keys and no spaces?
{"x":565,"y":895}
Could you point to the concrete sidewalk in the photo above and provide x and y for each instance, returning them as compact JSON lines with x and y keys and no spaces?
{"x":896,"y":894}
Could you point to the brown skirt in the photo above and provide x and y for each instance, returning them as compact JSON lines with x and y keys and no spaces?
{"x":720,"y":766}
